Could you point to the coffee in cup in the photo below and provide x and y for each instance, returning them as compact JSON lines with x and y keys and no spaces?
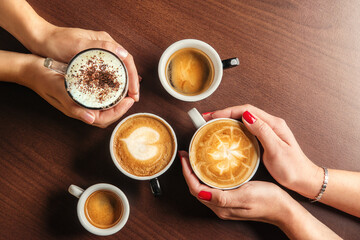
{"x":223,"y":153}
{"x":143,"y":146}
{"x":189,"y":71}
{"x":102,"y":209}
{"x":94,"y":78}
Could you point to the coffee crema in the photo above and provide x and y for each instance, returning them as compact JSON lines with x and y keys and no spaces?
{"x":103,"y":209}
{"x":96,"y":79}
{"x":189,"y":71}
{"x":222,"y":155}
{"x":143,"y":145}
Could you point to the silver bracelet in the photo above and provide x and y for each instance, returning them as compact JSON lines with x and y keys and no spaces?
{"x":322,"y":190}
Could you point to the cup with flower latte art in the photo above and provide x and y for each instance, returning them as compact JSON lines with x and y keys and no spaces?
{"x":223,"y":153}
{"x":143,"y":147}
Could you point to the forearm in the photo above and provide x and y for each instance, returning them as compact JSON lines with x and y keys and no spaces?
{"x":20,"y":19}
{"x":298,"y":223}
{"x":343,"y":191}
{"x":13,"y":66}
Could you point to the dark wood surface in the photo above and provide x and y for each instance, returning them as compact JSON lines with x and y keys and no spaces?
{"x":300,"y":60}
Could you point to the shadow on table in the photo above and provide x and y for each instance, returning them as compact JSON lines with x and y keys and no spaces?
{"x":61,"y":215}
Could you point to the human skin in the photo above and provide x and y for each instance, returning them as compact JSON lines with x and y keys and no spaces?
{"x":47,"y":40}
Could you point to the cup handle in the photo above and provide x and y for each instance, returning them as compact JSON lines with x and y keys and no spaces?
{"x":56,"y":66}
{"x":230,"y":63}
{"x":75,"y":190}
{"x":196,"y":118}
{"x":155,"y":187}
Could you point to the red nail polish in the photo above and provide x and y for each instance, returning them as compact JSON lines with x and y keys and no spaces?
{"x":204,"y":195}
{"x":207,"y":113}
{"x":249,"y":117}
{"x":179,"y":155}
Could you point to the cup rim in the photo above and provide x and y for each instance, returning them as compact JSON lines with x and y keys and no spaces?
{"x":204,"y":47}
{"x":117,"y":164}
{"x":252,"y":138}
{"x":81,"y":209}
{"x":113,"y":104}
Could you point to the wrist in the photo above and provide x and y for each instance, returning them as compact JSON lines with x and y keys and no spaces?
{"x":310,"y":181}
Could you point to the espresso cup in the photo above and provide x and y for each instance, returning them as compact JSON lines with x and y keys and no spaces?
{"x":143,"y":147}
{"x":94,"y":78}
{"x":102,"y":209}
{"x":223,"y":153}
{"x":191,"y":70}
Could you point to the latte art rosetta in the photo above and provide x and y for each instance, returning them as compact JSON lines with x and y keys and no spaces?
{"x":222,"y":155}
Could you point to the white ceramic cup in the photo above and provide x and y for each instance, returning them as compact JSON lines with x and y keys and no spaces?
{"x":219,"y":65}
{"x":154,"y":182}
{"x":199,"y":122}
{"x":83,"y":196}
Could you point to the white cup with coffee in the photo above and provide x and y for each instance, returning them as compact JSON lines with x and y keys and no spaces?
{"x":191,"y":70}
{"x":223,"y":153}
{"x":143,"y":147}
{"x":94,"y":78}
{"x":102,"y":209}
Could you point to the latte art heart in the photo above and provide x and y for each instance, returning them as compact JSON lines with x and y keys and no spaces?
{"x":222,"y":155}
{"x":143,"y":145}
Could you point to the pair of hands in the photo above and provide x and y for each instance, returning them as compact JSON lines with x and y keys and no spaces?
{"x":284,"y":159}
{"x":62,"y":44}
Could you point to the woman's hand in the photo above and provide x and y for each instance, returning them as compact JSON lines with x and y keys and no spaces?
{"x":62,"y":44}
{"x":50,"y":86}
{"x":283,"y":156}
{"x":257,"y":201}
{"x":248,"y":202}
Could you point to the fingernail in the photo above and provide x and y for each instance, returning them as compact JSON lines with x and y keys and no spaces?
{"x":207,"y":113}
{"x":249,"y":117}
{"x":179,"y":155}
{"x":140,"y":78}
{"x":121,"y":52}
{"x":203,"y":195}
{"x":137,"y":97}
{"x":88,"y":117}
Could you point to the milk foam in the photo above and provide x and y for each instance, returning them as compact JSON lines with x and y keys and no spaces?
{"x":90,"y":97}
{"x":142,"y":143}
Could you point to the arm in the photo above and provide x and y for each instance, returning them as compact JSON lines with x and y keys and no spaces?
{"x":20,"y":19}
{"x":258,"y":201}
{"x":289,"y":166}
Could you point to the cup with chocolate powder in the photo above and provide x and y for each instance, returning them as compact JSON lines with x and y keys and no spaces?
{"x":94,"y":78}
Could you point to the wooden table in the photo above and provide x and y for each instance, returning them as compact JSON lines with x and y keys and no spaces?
{"x":300,"y":60}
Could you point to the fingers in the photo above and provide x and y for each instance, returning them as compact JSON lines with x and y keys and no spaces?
{"x":133,"y":78}
{"x":278,"y":125}
{"x":123,"y":54}
{"x":104,"y":118}
{"x":208,"y":196}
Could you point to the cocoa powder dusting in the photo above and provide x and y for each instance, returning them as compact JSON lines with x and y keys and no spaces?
{"x":97,"y":78}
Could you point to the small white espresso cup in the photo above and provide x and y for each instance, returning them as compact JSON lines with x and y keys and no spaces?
{"x":199,"y":122}
{"x":83,"y":196}
{"x":218,"y":64}
{"x":154,"y":181}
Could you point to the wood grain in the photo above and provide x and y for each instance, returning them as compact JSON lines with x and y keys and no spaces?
{"x":299,"y":60}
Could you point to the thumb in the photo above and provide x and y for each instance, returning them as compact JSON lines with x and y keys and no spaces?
{"x":83,"y":114}
{"x":261,"y":130}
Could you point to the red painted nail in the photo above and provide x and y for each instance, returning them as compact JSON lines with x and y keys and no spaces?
{"x":249,"y":117}
{"x":207,"y":113}
{"x":204,"y":195}
{"x":179,"y":155}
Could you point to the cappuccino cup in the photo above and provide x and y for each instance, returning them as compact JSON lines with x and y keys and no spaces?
{"x":191,"y":70}
{"x":223,"y":153}
{"x":94,"y":78}
{"x":143,"y":147}
{"x":102,"y":209}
